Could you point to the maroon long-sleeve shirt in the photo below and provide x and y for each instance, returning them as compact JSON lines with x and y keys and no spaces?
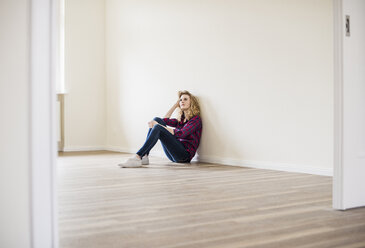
{"x":188,"y":133}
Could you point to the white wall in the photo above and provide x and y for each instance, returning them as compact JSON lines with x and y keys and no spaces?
{"x":353,"y":106}
{"x":14,"y":131}
{"x":85,"y":109}
{"x":262,"y":70}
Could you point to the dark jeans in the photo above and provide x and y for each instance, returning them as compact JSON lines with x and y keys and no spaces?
{"x":172,"y":147}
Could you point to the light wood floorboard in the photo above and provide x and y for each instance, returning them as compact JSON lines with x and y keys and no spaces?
{"x":196,"y":205}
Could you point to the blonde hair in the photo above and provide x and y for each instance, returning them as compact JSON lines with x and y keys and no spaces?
{"x":194,"y":106}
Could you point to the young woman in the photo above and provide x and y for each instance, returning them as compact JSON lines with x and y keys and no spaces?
{"x":179,"y":143}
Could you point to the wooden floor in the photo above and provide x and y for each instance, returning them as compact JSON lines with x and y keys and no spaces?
{"x":197,"y":205}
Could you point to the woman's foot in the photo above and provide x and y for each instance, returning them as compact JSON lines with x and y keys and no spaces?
{"x":133,"y":162}
{"x":145,"y":160}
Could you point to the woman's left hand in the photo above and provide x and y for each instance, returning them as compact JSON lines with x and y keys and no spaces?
{"x":152,"y":123}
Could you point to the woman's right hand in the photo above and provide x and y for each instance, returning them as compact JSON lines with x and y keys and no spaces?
{"x":177,"y":104}
{"x":172,"y":109}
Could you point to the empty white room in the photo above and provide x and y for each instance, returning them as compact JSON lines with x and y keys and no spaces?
{"x":276,"y":160}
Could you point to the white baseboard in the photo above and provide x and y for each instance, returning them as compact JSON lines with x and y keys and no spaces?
{"x":119,"y":149}
{"x":83,"y":148}
{"x":308,"y":169}
{"x":268,"y":165}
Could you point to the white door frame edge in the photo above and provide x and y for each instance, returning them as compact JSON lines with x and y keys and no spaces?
{"x":337,"y":188}
{"x":44,"y":232}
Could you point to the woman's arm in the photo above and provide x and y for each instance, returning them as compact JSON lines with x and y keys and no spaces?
{"x":151,"y":124}
{"x":172,"y":109}
{"x":168,"y":115}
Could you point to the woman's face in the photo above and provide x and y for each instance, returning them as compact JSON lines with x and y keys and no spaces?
{"x":184,"y":102}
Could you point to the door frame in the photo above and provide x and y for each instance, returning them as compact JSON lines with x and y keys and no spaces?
{"x":42,"y":145}
{"x":337,"y":186}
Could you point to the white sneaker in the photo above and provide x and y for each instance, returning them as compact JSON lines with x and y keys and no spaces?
{"x":145,"y":160}
{"x":133,"y":162}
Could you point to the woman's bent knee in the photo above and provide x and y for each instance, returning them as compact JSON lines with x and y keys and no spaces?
{"x":159,"y":120}
{"x":157,"y":127}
